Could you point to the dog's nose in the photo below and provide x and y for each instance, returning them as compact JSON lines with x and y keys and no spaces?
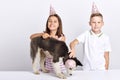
{"x":70,"y":74}
{"x":70,"y":68}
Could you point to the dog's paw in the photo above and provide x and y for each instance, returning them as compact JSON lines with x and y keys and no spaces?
{"x":45,"y":71}
{"x":36,"y":72}
{"x":61,"y":75}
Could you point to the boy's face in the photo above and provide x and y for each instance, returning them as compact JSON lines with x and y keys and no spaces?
{"x":96,"y":24}
{"x":53,"y":23}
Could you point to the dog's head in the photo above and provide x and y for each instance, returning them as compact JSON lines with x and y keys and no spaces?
{"x":71,"y":64}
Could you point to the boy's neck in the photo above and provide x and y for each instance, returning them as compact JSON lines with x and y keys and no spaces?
{"x":98,"y":32}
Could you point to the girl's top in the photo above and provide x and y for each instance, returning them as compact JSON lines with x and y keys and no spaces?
{"x":49,"y":65}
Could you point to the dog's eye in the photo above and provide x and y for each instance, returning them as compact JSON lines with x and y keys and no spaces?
{"x":70,"y":68}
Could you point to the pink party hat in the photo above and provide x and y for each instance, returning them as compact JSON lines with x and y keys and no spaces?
{"x":94,"y":8}
{"x":52,"y":10}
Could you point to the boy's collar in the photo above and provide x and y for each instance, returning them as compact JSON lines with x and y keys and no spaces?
{"x":98,"y":35}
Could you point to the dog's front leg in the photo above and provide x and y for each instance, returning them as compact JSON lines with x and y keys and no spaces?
{"x":57,"y":69}
{"x":42,"y":61}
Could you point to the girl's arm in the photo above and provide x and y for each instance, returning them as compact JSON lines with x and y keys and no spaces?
{"x":106,"y":55}
{"x":35,"y":35}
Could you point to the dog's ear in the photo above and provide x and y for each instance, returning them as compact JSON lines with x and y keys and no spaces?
{"x":66,"y":57}
{"x":69,"y":53}
{"x":78,"y":62}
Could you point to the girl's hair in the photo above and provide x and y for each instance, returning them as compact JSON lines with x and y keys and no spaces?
{"x":96,"y":14}
{"x":59,"y":30}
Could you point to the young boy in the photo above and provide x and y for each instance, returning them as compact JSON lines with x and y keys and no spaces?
{"x":96,"y":45}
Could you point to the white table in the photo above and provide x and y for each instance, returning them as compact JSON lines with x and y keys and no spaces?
{"x":77,"y":75}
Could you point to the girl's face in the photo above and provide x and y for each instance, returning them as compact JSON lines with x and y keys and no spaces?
{"x":53,"y":23}
{"x":96,"y":24}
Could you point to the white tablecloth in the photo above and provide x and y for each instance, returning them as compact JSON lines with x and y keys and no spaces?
{"x":77,"y":75}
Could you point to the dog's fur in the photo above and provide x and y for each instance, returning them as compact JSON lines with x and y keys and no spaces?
{"x":40,"y":48}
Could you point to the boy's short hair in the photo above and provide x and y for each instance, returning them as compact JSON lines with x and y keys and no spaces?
{"x":96,"y":14}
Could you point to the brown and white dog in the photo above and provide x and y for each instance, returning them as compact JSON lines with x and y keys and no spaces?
{"x":50,"y":47}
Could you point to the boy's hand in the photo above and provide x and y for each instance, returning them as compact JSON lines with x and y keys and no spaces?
{"x":106,"y":66}
{"x":72,"y":53}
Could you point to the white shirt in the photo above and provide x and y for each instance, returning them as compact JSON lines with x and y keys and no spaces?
{"x":94,"y":48}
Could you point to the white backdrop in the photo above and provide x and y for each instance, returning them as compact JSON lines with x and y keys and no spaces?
{"x":21,"y":18}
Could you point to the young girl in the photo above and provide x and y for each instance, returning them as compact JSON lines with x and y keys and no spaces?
{"x":53,"y":29}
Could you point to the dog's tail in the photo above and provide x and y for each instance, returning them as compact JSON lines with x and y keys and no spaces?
{"x":33,"y":49}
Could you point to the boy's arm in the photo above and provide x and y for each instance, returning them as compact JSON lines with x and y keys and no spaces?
{"x":106,"y":55}
{"x":72,"y":47}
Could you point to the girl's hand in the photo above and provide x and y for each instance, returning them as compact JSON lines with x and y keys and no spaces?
{"x":45,"y":35}
{"x":56,"y":37}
